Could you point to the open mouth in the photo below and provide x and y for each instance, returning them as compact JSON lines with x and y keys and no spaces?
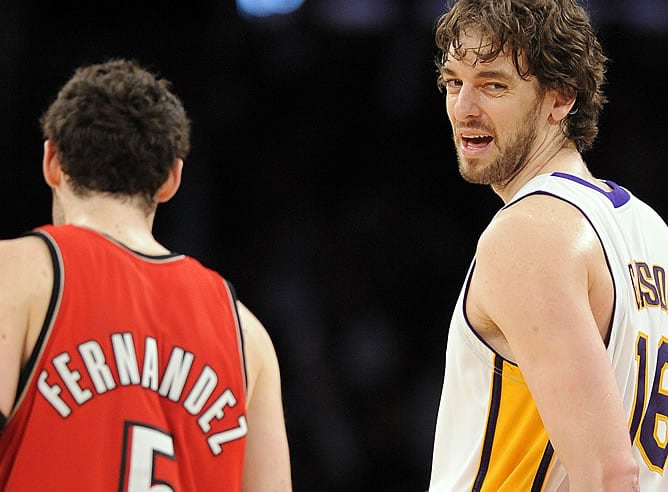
{"x":476,"y":142}
{"x":473,"y":145}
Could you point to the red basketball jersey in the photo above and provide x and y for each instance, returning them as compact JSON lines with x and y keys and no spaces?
{"x":137,"y":381}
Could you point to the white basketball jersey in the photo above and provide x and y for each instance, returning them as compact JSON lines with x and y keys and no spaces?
{"x":489,"y":436}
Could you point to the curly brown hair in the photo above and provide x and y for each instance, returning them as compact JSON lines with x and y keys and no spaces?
{"x":552,"y":39}
{"x":117,"y":129}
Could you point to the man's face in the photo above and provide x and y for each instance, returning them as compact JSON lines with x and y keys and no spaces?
{"x":497,"y":117}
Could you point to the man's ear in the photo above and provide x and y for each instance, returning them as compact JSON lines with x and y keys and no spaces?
{"x":53,"y":173}
{"x":563,"y":106}
{"x":172,"y":183}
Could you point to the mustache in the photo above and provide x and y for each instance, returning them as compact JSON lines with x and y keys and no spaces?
{"x":473,"y":124}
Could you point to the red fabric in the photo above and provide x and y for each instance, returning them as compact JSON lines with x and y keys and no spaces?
{"x":132,"y":420}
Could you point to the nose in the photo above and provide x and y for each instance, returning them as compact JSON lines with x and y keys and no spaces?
{"x":465,"y":103}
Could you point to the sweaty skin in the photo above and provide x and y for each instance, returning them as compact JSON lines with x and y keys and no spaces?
{"x":541,"y":294}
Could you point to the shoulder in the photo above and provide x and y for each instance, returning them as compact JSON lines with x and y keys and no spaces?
{"x":253,"y":330}
{"x":267,"y":444}
{"x":260,"y":353}
{"x":24,"y":260}
{"x":539,"y":252}
{"x":540,"y":226}
{"x":26,"y":283}
{"x":26,"y":280}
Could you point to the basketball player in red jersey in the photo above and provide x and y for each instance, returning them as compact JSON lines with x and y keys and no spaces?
{"x":125,"y":366}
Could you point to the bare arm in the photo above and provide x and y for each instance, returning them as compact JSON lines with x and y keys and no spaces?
{"x":541,"y":278}
{"x":26,"y":280}
{"x":267,"y":462}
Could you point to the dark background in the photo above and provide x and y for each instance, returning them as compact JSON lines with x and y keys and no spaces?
{"x":323,"y":184}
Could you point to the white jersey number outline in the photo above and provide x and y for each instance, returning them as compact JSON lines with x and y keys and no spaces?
{"x":141,"y":445}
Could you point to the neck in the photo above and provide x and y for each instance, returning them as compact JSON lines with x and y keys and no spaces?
{"x":564,"y":158}
{"x":122,"y":219}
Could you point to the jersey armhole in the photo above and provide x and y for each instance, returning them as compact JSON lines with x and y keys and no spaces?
{"x":27,"y":370}
{"x":240,"y":333}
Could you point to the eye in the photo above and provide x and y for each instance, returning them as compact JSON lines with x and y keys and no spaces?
{"x":495,"y":87}
{"x":449,"y":85}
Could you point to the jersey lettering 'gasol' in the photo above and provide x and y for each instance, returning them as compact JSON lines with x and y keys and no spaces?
{"x":649,"y":284}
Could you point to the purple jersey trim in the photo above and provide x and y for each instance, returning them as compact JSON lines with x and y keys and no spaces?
{"x":618,"y":196}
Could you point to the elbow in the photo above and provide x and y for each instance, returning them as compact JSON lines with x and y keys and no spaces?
{"x":622,"y":477}
{"x":614,"y":476}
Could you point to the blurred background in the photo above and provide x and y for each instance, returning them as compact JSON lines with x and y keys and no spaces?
{"x":323,"y":183}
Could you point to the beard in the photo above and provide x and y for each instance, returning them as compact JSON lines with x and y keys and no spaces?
{"x":512,"y":155}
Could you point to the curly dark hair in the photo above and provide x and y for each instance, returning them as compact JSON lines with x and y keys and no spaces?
{"x":117,"y":128}
{"x":553,"y":39}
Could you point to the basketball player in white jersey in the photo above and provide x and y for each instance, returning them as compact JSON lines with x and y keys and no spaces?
{"x":554,"y":373}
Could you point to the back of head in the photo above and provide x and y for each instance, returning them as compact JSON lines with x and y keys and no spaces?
{"x":117,"y":128}
{"x":551,"y":40}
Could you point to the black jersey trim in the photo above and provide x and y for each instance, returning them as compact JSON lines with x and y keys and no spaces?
{"x":3,"y":421}
{"x":234,"y":299}
{"x":490,"y":431}
{"x":539,"y":479}
{"x":53,"y":302}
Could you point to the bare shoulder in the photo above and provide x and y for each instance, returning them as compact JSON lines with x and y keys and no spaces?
{"x":534,"y":258}
{"x":254,"y":331}
{"x":26,"y":282}
{"x":23,"y":248}
{"x":267,"y":460}
{"x":260,"y":352}
{"x":25,"y":266}
{"x":26,"y":279}
{"x":538,"y":227}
